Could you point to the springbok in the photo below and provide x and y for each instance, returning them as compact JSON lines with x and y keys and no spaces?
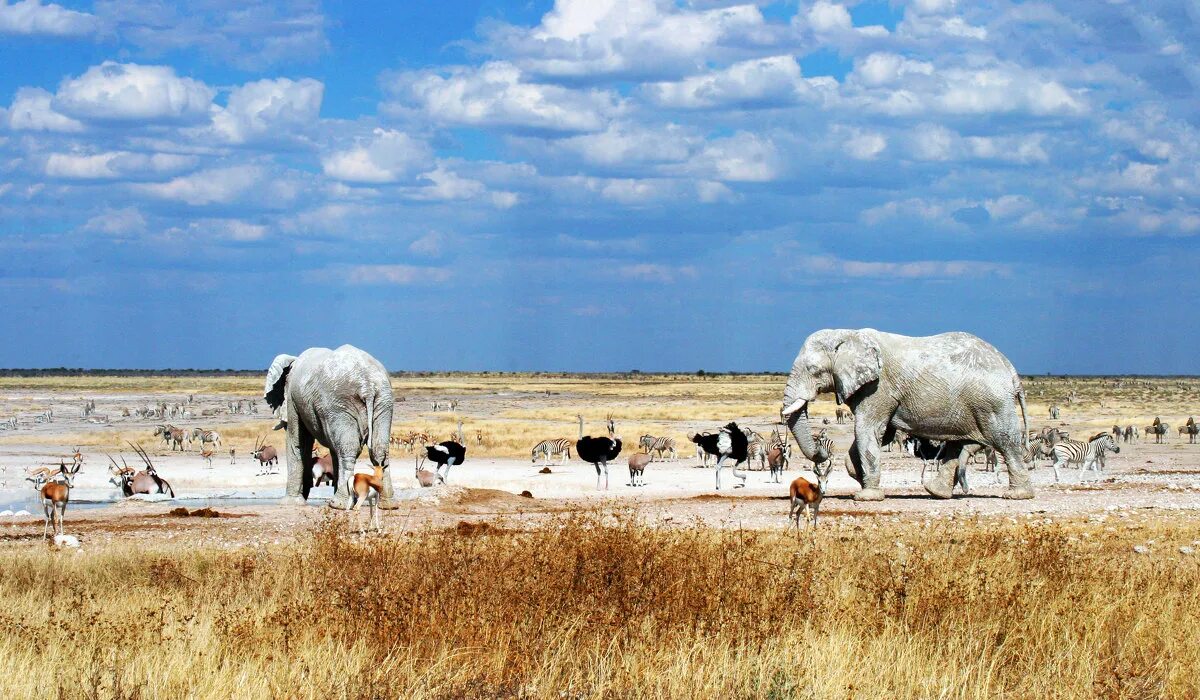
{"x":805,"y":498}
{"x":207,"y":455}
{"x":55,"y":493}
{"x":368,"y":486}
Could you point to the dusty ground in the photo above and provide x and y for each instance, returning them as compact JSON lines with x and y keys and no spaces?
{"x":1145,"y":477}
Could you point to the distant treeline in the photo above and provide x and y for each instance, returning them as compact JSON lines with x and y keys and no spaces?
{"x":80,"y":372}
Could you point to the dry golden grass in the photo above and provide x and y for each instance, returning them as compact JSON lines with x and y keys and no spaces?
{"x":600,"y":607}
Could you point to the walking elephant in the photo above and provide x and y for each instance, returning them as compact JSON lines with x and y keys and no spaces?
{"x":952,"y":387}
{"x":341,"y":398}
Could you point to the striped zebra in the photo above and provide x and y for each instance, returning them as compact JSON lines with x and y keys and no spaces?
{"x":661,"y":445}
{"x":556,"y":447}
{"x":756,"y":451}
{"x":1089,"y":455}
{"x":206,"y":436}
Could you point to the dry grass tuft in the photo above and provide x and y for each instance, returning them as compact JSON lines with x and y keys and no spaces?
{"x":594,"y":606}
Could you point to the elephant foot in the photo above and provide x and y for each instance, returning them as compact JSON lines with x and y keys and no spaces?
{"x":1018,"y":493}
{"x":869,"y":494}
{"x":339,"y":503}
{"x":939,"y":490}
{"x":292,"y":501}
{"x":389,"y":504}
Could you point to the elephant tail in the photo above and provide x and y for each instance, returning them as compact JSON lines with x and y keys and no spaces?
{"x":1024,"y":420}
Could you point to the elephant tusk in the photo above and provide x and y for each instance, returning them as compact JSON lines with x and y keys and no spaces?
{"x":794,"y":407}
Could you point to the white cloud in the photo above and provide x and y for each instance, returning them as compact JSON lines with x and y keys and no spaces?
{"x":429,"y":244}
{"x":865,"y":145}
{"x":882,"y":68}
{"x":743,"y":157}
{"x":31,"y":111}
{"x":117,"y":222}
{"x":624,"y":143}
{"x":224,"y":229}
{"x":918,"y":269}
{"x":628,"y":38}
{"x":269,"y":109}
{"x":763,"y":82}
{"x":114,"y":165}
{"x":652,"y":272}
{"x":215,"y":186}
{"x":496,"y":94}
{"x":825,"y":16}
{"x":384,"y":274}
{"x":128,"y":92}
{"x":388,"y":156}
{"x":31,"y":17}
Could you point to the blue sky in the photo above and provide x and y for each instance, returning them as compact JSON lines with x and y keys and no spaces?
{"x":596,"y":184}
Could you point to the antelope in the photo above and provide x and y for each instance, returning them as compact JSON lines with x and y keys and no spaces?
{"x":55,"y":494}
{"x":322,"y":469}
{"x":367,"y":486}
{"x":133,"y":482}
{"x":207,"y":455}
{"x":637,"y":467}
{"x":425,"y":477}
{"x":265,"y":454}
{"x":232,"y":455}
{"x":806,"y":499}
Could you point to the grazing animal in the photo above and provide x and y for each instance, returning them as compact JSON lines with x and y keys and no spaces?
{"x":133,"y":482}
{"x":555,"y":447}
{"x":446,"y":454}
{"x":599,"y":451}
{"x":232,"y":455}
{"x":1190,"y":429}
{"x":662,"y":445}
{"x":265,"y":454}
{"x":322,"y":470}
{"x":1131,"y":433}
{"x":701,"y":453}
{"x":1054,"y":411}
{"x":206,"y":437}
{"x":207,"y":456}
{"x":1089,"y":455}
{"x":55,"y":492}
{"x":637,"y":467}
{"x":367,"y":486}
{"x":823,"y":441}
{"x":1159,"y":430}
{"x":729,"y":442}
{"x":425,"y":477}
{"x":806,"y":500}
{"x":843,"y":414}
{"x":777,"y":461}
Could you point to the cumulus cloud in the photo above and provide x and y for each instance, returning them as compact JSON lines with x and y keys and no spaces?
{"x":388,"y":156}
{"x":215,"y":186}
{"x":766,"y":82}
{"x":31,"y":111}
{"x":498,"y":95}
{"x":128,"y":92}
{"x":580,"y":39}
{"x":743,"y":157}
{"x":269,"y":109}
{"x":116,"y":165}
{"x":117,"y":222}
{"x":627,"y":143}
{"x":31,"y":17}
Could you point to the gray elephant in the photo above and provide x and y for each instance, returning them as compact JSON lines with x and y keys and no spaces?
{"x":952,"y":387}
{"x":343,"y":399}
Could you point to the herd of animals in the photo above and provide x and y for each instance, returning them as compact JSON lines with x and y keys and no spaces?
{"x":948,"y":398}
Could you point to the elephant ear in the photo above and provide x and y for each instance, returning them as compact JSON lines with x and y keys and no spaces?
{"x":856,"y":361}
{"x":277,"y":380}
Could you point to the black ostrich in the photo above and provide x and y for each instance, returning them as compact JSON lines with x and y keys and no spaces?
{"x":446,"y":454}
{"x":599,"y":450}
{"x":730,"y":441}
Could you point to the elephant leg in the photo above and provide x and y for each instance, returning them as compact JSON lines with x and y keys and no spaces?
{"x":306,"y":460}
{"x":387,"y":499}
{"x":942,"y":484}
{"x":866,"y":439}
{"x":343,"y":469}
{"x":296,"y":493}
{"x":960,"y":473}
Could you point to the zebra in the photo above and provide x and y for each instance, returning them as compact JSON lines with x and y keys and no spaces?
{"x":557,"y":447}
{"x":756,"y":450}
{"x":1158,"y":429}
{"x":1054,"y":411}
{"x":1130,"y":434}
{"x":1088,"y":454}
{"x":206,"y":436}
{"x":661,"y":445}
{"x":823,"y":440}
{"x":1190,"y":429}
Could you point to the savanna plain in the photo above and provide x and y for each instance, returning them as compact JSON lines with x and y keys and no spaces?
{"x":522,"y":580}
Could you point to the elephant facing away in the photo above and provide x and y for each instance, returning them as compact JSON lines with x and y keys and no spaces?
{"x":952,"y":387}
{"x":343,"y":399}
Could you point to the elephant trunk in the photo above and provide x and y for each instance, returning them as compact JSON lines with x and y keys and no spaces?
{"x":797,"y":422}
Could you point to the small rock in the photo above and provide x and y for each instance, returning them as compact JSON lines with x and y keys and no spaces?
{"x":66,"y":541}
{"x":1187,"y":550}
{"x":1140,"y":549}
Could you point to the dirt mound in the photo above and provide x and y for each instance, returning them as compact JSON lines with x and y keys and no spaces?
{"x":466,"y":500}
{"x":206,"y":512}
